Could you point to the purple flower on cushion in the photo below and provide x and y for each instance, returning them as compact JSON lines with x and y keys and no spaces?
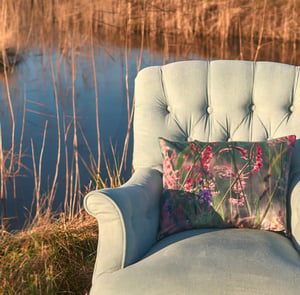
{"x":206,"y":195}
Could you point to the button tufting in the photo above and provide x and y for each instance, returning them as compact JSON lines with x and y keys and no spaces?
{"x":291,"y":108}
{"x":229,"y":139}
{"x":168,"y":109}
{"x":209,"y":110}
{"x":252,"y":107}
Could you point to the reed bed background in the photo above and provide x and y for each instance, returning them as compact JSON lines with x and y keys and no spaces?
{"x":66,"y":24}
{"x":55,"y":252}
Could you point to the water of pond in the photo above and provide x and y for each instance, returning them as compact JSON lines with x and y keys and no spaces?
{"x":31,"y":87}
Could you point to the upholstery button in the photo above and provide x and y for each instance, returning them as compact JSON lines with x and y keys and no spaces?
{"x":252,"y":107}
{"x":168,"y":109}
{"x":229,"y":139}
{"x":291,"y":108}
{"x":209,"y":110}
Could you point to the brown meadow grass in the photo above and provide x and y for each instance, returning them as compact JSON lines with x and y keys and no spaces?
{"x":49,"y":258}
{"x":56,"y":253}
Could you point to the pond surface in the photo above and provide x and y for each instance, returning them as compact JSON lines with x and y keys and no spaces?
{"x":33,"y":89}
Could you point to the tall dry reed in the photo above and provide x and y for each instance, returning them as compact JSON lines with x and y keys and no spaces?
{"x":63,"y":23}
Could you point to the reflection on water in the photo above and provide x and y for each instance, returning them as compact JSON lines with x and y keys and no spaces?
{"x":34,"y":88}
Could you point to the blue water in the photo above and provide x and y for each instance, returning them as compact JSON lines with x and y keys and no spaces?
{"x":32,"y":84}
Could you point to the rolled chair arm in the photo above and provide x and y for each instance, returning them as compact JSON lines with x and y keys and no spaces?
{"x":295,"y":209}
{"x":128,"y":219}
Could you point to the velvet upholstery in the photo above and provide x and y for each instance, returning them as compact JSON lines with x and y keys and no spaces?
{"x":211,"y":262}
{"x":206,"y":101}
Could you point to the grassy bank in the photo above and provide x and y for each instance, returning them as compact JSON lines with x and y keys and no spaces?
{"x":49,"y":257}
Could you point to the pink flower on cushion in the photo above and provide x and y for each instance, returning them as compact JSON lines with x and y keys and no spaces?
{"x":233,"y":201}
{"x":206,"y":157}
{"x":193,"y":147}
{"x":258,"y":164}
{"x":237,"y":202}
{"x":224,"y":170}
{"x":164,"y":147}
{"x":212,"y":187}
{"x":240,"y":183}
{"x":171,"y":180}
{"x":189,"y":185}
{"x":243,"y":152}
{"x":291,"y":139}
{"x":239,"y":187}
{"x":170,"y":177}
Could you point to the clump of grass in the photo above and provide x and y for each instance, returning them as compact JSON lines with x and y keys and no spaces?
{"x":50,"y":258}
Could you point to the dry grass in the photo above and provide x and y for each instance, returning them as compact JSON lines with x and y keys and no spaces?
{"x":49,"y":258}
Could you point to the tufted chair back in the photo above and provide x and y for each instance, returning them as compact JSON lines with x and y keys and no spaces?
{"x":214,"y":101}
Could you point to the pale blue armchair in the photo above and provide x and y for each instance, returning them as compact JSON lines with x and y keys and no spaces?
{"x":208,"y":101}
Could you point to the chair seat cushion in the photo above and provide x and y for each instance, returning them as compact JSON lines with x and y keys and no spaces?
{"x":225,"y":261}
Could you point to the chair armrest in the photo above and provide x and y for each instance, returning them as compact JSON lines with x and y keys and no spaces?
{"x":295,"y":209}
{"x":128,"y":219}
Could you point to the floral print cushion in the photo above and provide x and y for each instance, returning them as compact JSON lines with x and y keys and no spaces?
{"x":225,"y":184}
